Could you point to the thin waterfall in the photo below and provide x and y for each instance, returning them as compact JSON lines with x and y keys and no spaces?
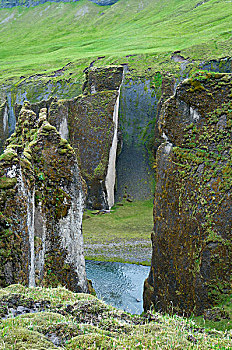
{"x":111,"y":171}
{"x":63,"y":129}
{"x":5,"y":119}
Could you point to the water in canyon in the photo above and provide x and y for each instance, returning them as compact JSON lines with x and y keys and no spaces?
{"x":118,"y":284}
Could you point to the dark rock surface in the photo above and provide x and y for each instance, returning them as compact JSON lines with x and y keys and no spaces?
{"x":191,"y":262}
{"x":41,"y":207}
{"x":16,"y":304}
{"x":4,"y":128}
{"x":137,"y":115}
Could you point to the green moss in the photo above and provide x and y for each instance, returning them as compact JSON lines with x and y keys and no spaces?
{"x":7,"y":182}
{"x":72,"y":317}
{"x":196,"y":85}
{"x":46,"y":128}
{"x":8,"y":155}
{"x":21,"y":338}
{"x":93,"y":341}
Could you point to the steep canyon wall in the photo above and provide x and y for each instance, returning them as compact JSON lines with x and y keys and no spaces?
{"x":191,"y":261}
{"x":41,"y":207}
{"x":88,"y":122}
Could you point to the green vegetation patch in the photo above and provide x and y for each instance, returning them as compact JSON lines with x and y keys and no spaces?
{"x":122,"y":235}
{"x":81,"y":321}
{"x":219,"y":318}
{"x":78,"y":33}
{"x":7,"y":182}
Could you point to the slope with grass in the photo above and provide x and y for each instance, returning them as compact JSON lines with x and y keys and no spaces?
{"x":46,"y":37}
{"x":59,"y":319}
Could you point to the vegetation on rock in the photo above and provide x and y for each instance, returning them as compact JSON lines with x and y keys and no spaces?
{"x":41,"y":204}
{"x":191,"y":263}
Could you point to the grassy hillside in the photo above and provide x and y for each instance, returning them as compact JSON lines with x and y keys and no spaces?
{"x":47,"y":37}
{"x":80,"y":321}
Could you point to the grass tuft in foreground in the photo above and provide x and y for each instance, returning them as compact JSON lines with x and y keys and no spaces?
{"x":81,"y":321}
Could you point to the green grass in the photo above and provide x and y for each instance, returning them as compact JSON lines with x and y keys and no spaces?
{"x":222,"y":325}
{"x":124,"y":235}
{"x":91,"y":324}
{"x":46,"y":37}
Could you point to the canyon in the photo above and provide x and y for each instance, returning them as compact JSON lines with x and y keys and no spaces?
{"x":106,"y":106}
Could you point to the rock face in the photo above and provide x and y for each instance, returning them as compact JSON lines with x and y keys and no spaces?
{"x":138,"y":103}
{"x":192,"y":248}
{"x":41,"y":205}
{"x":4,"y":129}
{"x":90,"y":122}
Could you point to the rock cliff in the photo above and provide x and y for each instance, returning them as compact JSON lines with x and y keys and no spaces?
{"x":192,"y":248}
{"x":90,"y":123}
{"x":41,"y":206}
{"x":4,"y":129}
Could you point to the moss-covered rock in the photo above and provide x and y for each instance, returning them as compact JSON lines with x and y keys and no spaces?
{"x":41,"y":205}
{"x":102,"y":79}
{"x":87,"y":123}
{"x":191,"y":262}
{"x":56,"y":318}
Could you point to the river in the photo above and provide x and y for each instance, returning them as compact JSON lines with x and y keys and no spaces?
{"x":118,"y":284}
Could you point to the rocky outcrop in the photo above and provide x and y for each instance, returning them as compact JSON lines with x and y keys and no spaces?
{"x":192,"y":248}
{"x":90,"y":123}
{"x":41,"y":206}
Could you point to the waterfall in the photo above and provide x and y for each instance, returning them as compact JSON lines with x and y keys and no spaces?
{"x":5,"y":119}
{"x":30,"y":199}
{"x":111,"y":171}
{"x":11,"y":116}
{"x":63,"y":129}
